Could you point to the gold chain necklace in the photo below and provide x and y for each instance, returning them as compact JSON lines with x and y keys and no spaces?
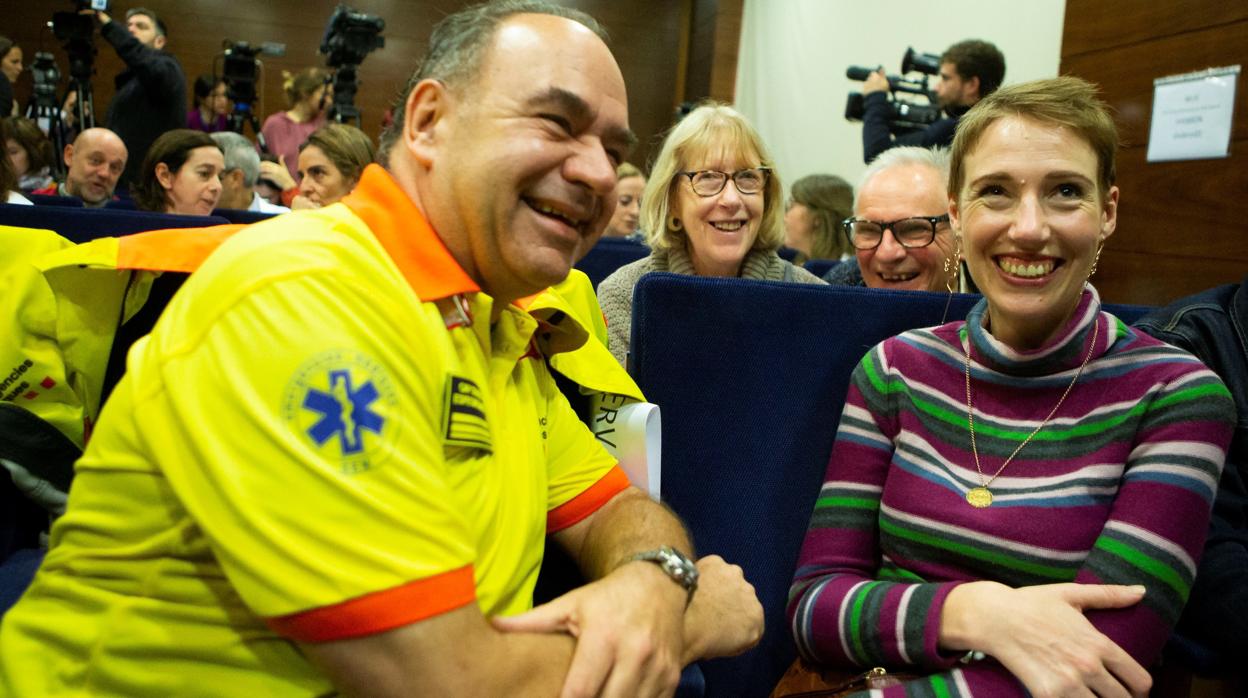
{"x":980,"y":497}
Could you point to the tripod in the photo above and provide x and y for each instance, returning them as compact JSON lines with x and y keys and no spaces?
{"x":244,"y":116}
{"x":345,"y":87}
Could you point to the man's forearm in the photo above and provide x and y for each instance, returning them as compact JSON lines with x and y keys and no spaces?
{"x":628,"y":524}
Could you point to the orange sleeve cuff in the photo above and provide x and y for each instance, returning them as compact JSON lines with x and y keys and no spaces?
{"x":381,"y":610}
{"x":289,"y":195}
{"x":582,"y":505}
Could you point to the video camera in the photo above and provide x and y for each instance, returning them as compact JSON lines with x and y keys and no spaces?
{"x":349,"y":37}
{"x":241,"y":71}
{"x":47,"y":76}
{"x":904,"y":116}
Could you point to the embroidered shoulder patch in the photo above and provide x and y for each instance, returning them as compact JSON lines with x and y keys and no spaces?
{"x":344,"y":403}
{"x":463,"y":415}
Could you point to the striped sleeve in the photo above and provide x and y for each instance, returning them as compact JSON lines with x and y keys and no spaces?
{"x":1160,"y":517}
{"x":842,"y":608}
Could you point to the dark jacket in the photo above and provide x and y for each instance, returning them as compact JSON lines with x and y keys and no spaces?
{"x":150,"y":97}
{"x":1214,"y":326}
{"x":876,"y":138}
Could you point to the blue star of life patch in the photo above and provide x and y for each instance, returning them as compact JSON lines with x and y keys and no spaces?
{"x":343,"y":403}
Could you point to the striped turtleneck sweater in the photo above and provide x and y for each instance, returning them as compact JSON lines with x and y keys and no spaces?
{"x":1115,"y":489}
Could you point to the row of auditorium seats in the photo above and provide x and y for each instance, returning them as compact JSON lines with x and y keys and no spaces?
{"x":751,"y":377}
{"x":57,"y":212}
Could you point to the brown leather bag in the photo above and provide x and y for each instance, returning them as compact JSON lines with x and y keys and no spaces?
{"x":804,"y":680}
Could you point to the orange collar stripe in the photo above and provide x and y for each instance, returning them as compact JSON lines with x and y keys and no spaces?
{"x":407,"y":237}
{"x":177,"y":249}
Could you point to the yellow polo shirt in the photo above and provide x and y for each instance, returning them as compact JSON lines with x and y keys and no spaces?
{"x":324,"y":437}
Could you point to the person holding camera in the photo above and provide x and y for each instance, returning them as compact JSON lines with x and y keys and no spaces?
{"x":151,"y":91}
{"x":969,"y":71}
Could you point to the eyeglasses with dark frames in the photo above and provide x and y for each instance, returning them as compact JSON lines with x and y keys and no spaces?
{"x":911,"y":233}
{"x":711,"y":182}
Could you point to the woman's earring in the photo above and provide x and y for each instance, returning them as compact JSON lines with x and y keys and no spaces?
{"x":953,"y":265}
{"x":1096,"y":259}
{"x":674,"y":223}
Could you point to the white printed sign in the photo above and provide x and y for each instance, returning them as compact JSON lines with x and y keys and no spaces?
{"x":1192,"y":115}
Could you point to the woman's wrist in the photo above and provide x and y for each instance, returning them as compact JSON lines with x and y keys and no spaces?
{"x":966,"y":615}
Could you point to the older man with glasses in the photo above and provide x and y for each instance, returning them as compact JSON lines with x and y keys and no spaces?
{"x":900,"y":229}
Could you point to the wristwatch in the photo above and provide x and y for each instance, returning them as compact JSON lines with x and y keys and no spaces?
{"x":675,"y":565}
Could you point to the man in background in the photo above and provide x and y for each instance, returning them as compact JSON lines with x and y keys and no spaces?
{"x":900,"y":231}
{"x":151,"y":91}
{"x":242,"y":170}
{"x":969,"y":71}
{"x":95,"y":159}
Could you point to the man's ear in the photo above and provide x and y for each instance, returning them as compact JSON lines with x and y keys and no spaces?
{"x":68,"y":155}
{"x":164,"y":176}
{"x":425,"y":122}
{"x":159,"y":42}
{"x":971,"y":85}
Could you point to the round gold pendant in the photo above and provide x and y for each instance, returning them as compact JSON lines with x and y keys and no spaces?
{"x":979,"y":497}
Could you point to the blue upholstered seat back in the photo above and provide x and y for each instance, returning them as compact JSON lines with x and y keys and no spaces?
{"x":608,"y":255}
{"x":751,"y":377}
{"x":83,"y":224}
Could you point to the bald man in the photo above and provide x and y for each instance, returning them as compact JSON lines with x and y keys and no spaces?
{"x":95,"y":159}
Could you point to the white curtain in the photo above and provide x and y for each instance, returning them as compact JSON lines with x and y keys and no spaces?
{"x":791,"y":68}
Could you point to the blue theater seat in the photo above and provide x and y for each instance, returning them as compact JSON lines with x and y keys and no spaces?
{"x":751,"y":377}
{"x":819,"y":267}
{"x":234,"y":215}
{"x":608,"y":255}
{"x":83,"y":224}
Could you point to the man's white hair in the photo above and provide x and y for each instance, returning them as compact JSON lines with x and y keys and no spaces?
{"x":935,"y":158}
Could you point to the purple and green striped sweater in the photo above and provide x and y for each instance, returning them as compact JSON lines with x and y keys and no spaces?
{"x":1117,"y":488}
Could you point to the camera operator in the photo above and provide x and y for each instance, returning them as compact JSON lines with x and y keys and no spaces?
{"x":969,"y":71}
{"x":151,"y":91}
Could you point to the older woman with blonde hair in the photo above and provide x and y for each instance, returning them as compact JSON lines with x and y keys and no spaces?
{"x":1028,"y":490}
{"x":714,"y":206}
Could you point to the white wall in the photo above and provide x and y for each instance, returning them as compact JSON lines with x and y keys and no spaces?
{"x":791,"y":70}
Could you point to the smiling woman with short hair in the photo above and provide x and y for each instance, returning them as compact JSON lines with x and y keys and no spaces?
{"x":983,"y":466}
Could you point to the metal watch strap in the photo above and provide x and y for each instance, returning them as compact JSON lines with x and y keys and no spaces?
{"x":675,"y":565}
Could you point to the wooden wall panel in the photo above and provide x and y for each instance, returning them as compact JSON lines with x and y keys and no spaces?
{"x":1150,"y":279}
{"x":645,"y":39}
{"x":1127,"y":80}
{"x":1181,"y":224}
{"x":1098,"y":25}
{"x":1181,"y":208}
{"x":727,"y":48}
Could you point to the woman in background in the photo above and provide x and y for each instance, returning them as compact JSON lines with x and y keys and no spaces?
{"x":212,"y":106}
{"x":30,"y":153}
{"x":330,"y":164}
{"x":712,"y":207}
{"x":307,"y":100}
{"x":983,"y":466}
{"x":9,"y":193}
{"x":11,"y":69}
{"x":181,"y":174}
{"x":628,"y":187}
{"x":812,"y":221}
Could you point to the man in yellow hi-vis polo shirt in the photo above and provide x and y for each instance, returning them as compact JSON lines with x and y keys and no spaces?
{"x":333,"y":464}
